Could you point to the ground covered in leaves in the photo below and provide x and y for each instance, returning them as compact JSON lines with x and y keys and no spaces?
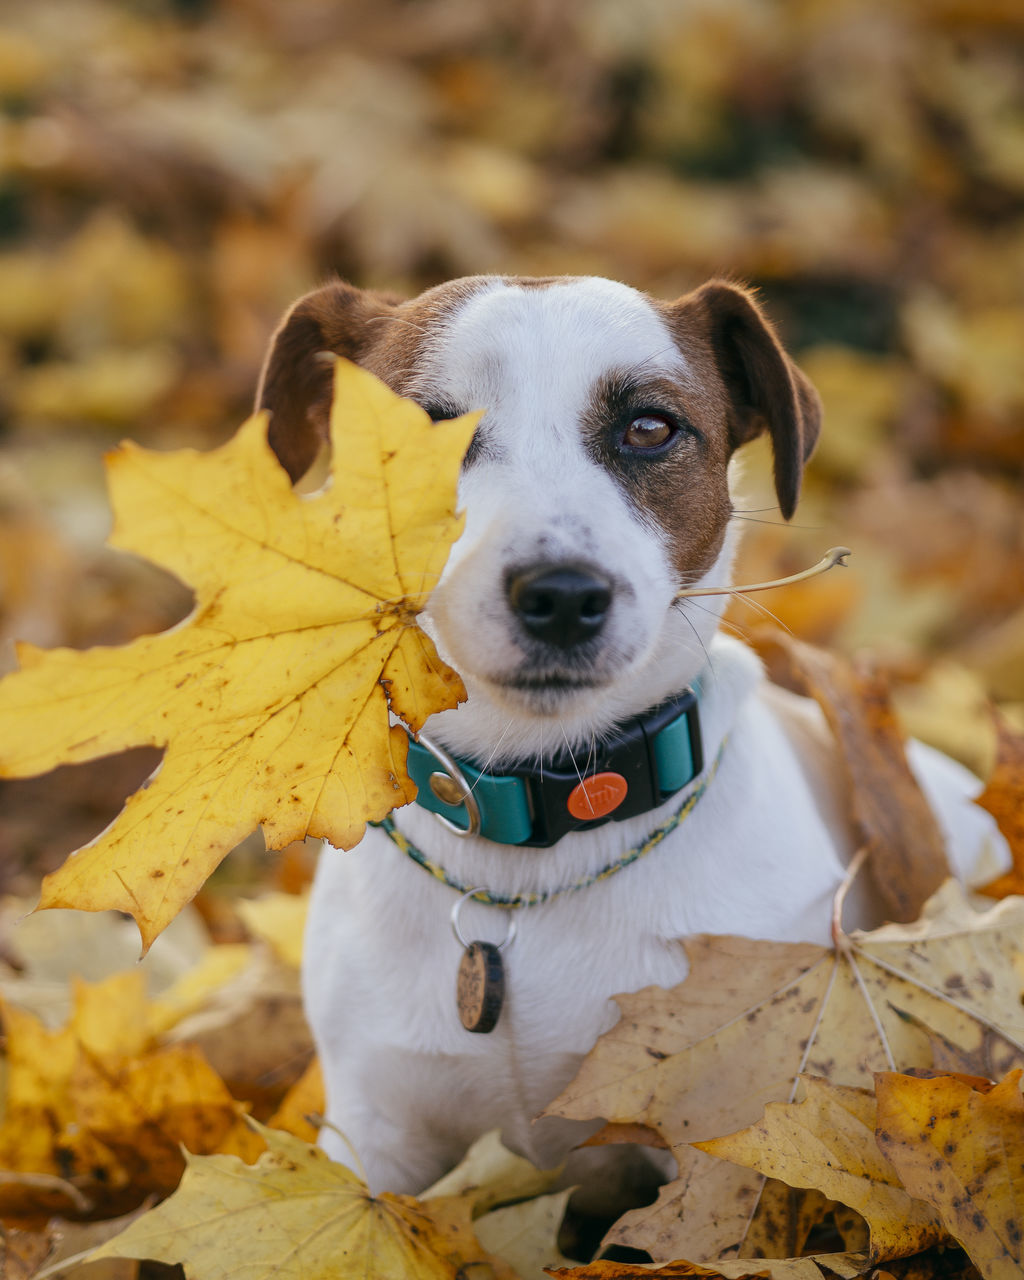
{"x":172,"y":175}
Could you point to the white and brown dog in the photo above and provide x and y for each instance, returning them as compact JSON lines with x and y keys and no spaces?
{"x":596,"y":486}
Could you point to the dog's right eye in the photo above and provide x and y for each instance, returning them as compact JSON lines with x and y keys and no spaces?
{"x":648,"y":431}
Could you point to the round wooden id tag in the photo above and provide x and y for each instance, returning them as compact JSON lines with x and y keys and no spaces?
{"x":480,"y":988}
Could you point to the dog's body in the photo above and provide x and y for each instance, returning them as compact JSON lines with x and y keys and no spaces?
{"x":596,"y":487}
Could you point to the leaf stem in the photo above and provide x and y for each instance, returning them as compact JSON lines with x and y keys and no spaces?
{"x":832,"y":557}
{"x":839,"y":938}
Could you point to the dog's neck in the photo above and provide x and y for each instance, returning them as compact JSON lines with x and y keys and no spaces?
{"x":730,"y":674}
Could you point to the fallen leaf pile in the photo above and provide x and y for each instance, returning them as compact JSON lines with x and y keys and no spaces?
{"x":273,"y":697}
{"x":96,"y":1113}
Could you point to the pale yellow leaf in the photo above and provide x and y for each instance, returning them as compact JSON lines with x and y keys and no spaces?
{"x":295,"y":1215}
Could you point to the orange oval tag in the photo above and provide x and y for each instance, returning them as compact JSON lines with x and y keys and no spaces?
{"x":597,"y":795}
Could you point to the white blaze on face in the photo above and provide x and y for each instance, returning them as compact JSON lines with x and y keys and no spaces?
{"x":532,"y":357}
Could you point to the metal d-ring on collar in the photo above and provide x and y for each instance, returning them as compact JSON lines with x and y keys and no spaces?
{"x":453,"y":788}
{"x":456,"y":911}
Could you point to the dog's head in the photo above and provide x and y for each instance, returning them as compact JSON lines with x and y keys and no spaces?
{"x":596,"y":484}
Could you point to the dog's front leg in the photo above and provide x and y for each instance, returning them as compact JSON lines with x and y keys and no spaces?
{"x":401,"y":1157}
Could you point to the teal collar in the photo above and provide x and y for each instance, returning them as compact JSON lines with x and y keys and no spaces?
{"x":511,"y":901}
{"x":641,"y":764}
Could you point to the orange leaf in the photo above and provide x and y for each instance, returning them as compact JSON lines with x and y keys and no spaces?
{"x":1004,"y":799}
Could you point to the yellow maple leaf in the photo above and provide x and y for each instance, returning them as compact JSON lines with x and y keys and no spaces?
{"x":962,"y":1150}
{"x":827,"y":1142}
{"x":297,"y":1215}
{"x":272,"y":698}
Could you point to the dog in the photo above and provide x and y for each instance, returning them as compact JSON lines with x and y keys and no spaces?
{"x":596,"y":486}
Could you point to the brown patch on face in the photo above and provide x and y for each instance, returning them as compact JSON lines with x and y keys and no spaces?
{"x":378,"y":331}
{"x":750,"y":384}
{"x":681,"y":486}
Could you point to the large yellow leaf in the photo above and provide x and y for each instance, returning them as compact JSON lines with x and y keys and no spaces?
{"x":704,"y":1058}
{"x":962,"y":1150}
{"x":296,"y":1215}
{"x":272,"y":698}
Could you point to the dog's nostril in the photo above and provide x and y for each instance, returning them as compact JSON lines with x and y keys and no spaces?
{"x":562,"y":606}
{"x":596,"y":604}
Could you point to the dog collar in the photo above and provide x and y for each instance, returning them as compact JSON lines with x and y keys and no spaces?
{"x":645,"y":761}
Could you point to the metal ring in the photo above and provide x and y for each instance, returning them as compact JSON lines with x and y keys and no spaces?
{"x":468,"y":798}
{"x":458,"y":932}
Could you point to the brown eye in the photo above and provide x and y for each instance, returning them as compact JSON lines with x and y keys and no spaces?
{"x":648,"y":432}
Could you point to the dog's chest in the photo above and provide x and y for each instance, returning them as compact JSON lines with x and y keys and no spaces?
{"x":384,"y":987}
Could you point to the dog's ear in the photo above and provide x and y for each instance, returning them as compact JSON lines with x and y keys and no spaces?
{"x":765,"y":389}
{"x":296,"y":381}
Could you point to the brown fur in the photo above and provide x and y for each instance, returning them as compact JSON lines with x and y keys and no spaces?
{"x":751,"y":375}
{"x":684,"y":489}
{"x":379,"y":331}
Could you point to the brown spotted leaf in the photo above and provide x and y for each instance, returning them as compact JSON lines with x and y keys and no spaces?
{"x":704,"y":1058}
{"x":830,"y":1266}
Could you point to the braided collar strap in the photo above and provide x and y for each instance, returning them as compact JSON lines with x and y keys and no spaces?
{"x":535,"y":899}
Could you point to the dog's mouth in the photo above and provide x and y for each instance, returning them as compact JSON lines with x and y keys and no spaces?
{"x":546,"y":692}
{"x":554,"y":683}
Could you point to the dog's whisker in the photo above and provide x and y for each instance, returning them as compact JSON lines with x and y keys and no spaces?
{"x":592,"y":752}
{"x":570,"y":751}
{"x":776,"y":524}
{"x":762,"y":608}
{"x":734,"y":626}
{"x":682,"y":611}
{"x":772,"y":524}
{"x":494,"y":751}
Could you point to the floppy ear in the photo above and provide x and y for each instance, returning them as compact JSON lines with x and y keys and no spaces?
{"x":765,"y":389}
{"x":295,"y":384}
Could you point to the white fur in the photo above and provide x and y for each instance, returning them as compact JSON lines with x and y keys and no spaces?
{"x":761,"y":854}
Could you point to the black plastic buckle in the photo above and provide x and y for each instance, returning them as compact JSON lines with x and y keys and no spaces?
{"x":630,"y":753}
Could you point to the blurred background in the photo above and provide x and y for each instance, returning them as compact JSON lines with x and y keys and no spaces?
{"x":172,"y":175}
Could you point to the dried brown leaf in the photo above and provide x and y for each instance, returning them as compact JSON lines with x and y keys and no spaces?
{"x":908,"y":858}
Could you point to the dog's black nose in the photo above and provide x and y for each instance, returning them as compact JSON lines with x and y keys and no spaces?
{"x":562,"y":605}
